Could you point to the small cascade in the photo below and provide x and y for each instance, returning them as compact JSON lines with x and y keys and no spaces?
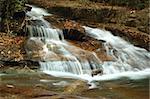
{"x":63,"y":59}
{"x":43,"y":32}
{"x":61,"y":56}
{"x":126,"y":56}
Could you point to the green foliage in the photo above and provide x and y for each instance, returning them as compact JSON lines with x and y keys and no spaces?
{"x":7,"y":10}
{"x":9,"y":7}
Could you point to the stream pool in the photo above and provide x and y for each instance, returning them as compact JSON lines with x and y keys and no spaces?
{"x":122,"y":88}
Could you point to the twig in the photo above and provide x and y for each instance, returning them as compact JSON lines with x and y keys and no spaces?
{"x":8,"y":29}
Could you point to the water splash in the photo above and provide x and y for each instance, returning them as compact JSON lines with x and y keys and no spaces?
{"x":129,"y":61}
{"x":127,"y":57}
{"x":65,"y":57}
{"x":37,"y":13}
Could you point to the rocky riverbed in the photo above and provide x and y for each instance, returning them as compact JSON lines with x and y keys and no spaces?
{"x":33,"y":85}
{"x":20,"y":77}
{"x":12,"y":47}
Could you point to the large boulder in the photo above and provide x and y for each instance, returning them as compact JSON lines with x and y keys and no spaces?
{"x":73,"y":31}
{"x":75,"y":34}
{"x":35,"y":48}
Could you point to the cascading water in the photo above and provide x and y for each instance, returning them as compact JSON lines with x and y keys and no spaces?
{"x":67,"y":57}
{"x":129,"y":61}
{"x":127,"y":57}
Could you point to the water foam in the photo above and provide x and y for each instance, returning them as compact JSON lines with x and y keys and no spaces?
{"x":130,"y":61}
{"x":106,"y":77}
{"x":127,"y":57}
{"x":67,"y":57}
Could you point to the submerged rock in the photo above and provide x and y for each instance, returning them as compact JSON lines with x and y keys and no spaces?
{"x":76,"y":87}
{"x":97,"y":72}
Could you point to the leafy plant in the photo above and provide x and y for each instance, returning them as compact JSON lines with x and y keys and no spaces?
{"x":7,"y":10}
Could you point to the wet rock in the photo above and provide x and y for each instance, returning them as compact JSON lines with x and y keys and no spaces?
{"x":19,"y":67}
{"x":137,"y":38}
{"x":73,"y":31}
{"x":76,"y":10}
{"x":28,"y":7}
{"x":25,"y":69}
{"x":36,"y":23}
{"x":65,"y":96}
{"x":97,"y":72}
{"x":102,"y":13}
{"x":35,"y":48}
{"x":94,"y":45}
{"x":73,"y":25}
{"x":27,"y":86}
{"x":76,"y":87}
{"x":24,"y":92}
{"x":56,"y":21}
{"x":34,"y":44}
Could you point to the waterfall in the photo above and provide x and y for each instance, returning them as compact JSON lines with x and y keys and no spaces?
{"x":67,"y":59}
{"x":127,"y":57}
{"x":64,"y":56}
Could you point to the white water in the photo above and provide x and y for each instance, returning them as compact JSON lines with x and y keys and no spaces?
{"x":129,"y":61}
{"x":66,"y":58}
{"x":127,"y":57}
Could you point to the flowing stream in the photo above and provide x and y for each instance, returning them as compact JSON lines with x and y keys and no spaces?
{"x":70,"y":61}
{"x":66,"y":69}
